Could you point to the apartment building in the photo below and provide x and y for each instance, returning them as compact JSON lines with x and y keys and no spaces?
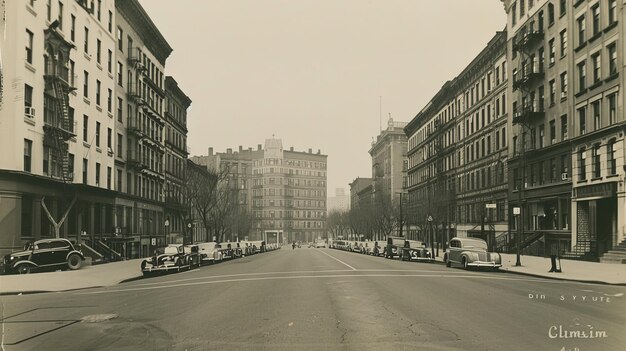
{"x":139,"y":53}
{"x":356,"y":187}
{"x":568,"y":125}
{"x":56,"y":130}
{"x":176,"y":211}
{"x":389,"y":161}
{"x":289,"y":194}
{"x":340,"y":202}
{"x":457,"y":154}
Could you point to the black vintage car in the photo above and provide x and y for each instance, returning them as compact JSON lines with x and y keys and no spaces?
{"x":42,"y":255}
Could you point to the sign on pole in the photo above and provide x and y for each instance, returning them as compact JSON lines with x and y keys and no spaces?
{"x":153,"y":242}
{"x":516,"y":210}
{"x":430,"y":218}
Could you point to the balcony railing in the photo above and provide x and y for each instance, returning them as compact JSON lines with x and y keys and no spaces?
{"x":529,"y":112}
{"x":531,"y":74}
{"x":528,"y":40}
{"x":135,"y":94}
{"x":134,"y":160}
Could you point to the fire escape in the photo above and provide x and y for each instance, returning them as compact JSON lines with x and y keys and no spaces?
{"x":57,"y":128}
{"x":136,"y":95}
{"x":526,"y":79}
{"x":445,"y":185}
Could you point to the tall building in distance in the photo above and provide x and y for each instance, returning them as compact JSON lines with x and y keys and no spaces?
{"x":284,"y":190}
{"x":389,"y":161}
{"x":567,"y":140}
{"x":340,"y":202}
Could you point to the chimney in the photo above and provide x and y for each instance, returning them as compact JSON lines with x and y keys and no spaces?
{"x":240,"y":148}
{"x":319,"y":151}
{"x":259,"y":147}
{"x":310,"y":151}
{"x":229,"y":151}
{"x":291,"y":148}
{"x":210,"y":151}
{"x":250,"y":149}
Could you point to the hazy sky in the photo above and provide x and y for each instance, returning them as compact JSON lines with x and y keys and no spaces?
{"x":311,"y":71}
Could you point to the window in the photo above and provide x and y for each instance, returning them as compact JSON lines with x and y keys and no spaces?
{"x":110,"y":22}
{"x":70,"y":116}
{"x":46,"y":160}
{"x":109,"y":100}
{"x":552,"y":92}
{"x":49,"y":10}
{"x":564,"y":165}
{"x":120,"y":103}
{"x":552,"y":170}
{"x":98,"y":51}
{"x":60,"y":19}
{"x":595,"y":109}
{"x":85,"y":168}
{"x":563,"y":36}
{"x":564,"y":127}
{"x":70,"y":165}
{"x":582,"y":167}
{"x":98,"y":86}
{"x":504,"y":137}
{"x":542,"y":97}
{"x":522,"y":11}
{"x":612,"y":11}
{"x":86,"y":84}
{"x":73,"y":29}
{"x":28,"y":98}
{"x":611,"y":159}
{"x":119,"y":145}
{"x":595,"y":11}
{"x":110,"y":61}
{"x":109,"y":175}
{"x":542,"y":134}
{"x":99,"y":9}
{"x":597,"y":74}
{"x":119,"y":180}
{"x":120,"y":73}
{"x":98,"y":134}
{"x":514,"y":14}
{"x":581,"y":29}
{"x":97,"y":174}
{"x":552,"y":51}
{"x":582,"y":120}
{"x":120,"y":39}
{"x":563,"y":85}
{"x":86,"y":44}
{"x":497,"y":139}
{"x":612,"y":108}
{"x":582,"y":76}
{"x":562,"y":7}
{"x":28,"y":154}
{"x":550,"y":14}
{"x":595,"y":160}
{"x":612,"y":59}
{"x":85,"y":127}
{"x":552,"y":131}
{"x":29,"y":46}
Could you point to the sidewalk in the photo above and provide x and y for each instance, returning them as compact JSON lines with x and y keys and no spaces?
{"x":85,"y":277}
{"x":581,"y":271}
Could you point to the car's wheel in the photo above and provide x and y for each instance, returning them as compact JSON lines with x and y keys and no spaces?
{"x":73,"y":262}
{"x":445,"y":259}
{"x":24,"y":269}
{"x":464,"y":262}
{"x":495,"y":269}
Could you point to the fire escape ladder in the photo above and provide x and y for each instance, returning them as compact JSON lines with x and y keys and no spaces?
{"x":59,"y":136}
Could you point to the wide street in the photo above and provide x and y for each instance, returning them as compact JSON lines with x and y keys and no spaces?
{"x":315,"y":299}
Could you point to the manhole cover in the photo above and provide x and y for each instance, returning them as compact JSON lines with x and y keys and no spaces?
{"x":97,"y":318}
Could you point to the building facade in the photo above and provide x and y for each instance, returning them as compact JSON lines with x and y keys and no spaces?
{"x":568,"y":124}
{"x":176,"y":211}
{"x":140,"y":53}
{"x":457,"y":154}
{"x":340,"y":202}
{"x":389,"y":161}
{"x":356,"y":187}
{"x":55,"y":131}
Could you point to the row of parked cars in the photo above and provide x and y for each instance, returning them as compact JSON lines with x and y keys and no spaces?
{"x":464,"y":252}
{"x":177,"y":257}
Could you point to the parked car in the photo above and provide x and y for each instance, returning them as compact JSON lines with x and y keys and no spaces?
{"x":320,"y":244}
{"x":41,"y":255}
{"x":192,"y":253}
{"x":377,"y":250}
{"x":415,"y":250}
{"x":227,"y":250}
{"x":394,"y":245}
{"x":209,"y":252}
{"x":471,"y":252}
{"x":167,"y":259}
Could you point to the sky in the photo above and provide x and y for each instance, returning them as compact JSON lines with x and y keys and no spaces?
{"x":314,"y":72}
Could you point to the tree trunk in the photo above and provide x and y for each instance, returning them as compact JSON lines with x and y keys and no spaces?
{"x":55,"y":224}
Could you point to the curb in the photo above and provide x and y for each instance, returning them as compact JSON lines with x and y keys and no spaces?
{"x":562,"y":279}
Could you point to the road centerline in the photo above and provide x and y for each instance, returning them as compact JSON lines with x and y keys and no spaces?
{"x":338,"y":260}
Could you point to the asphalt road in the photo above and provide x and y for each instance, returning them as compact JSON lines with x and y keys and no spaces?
{"x":322,"y":299}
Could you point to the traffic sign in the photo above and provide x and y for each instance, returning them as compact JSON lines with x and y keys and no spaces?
{"x":153,"y":241}
{"x":490,"y":205}
{"x":516,"y":210}
{"x":430,"y":218}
